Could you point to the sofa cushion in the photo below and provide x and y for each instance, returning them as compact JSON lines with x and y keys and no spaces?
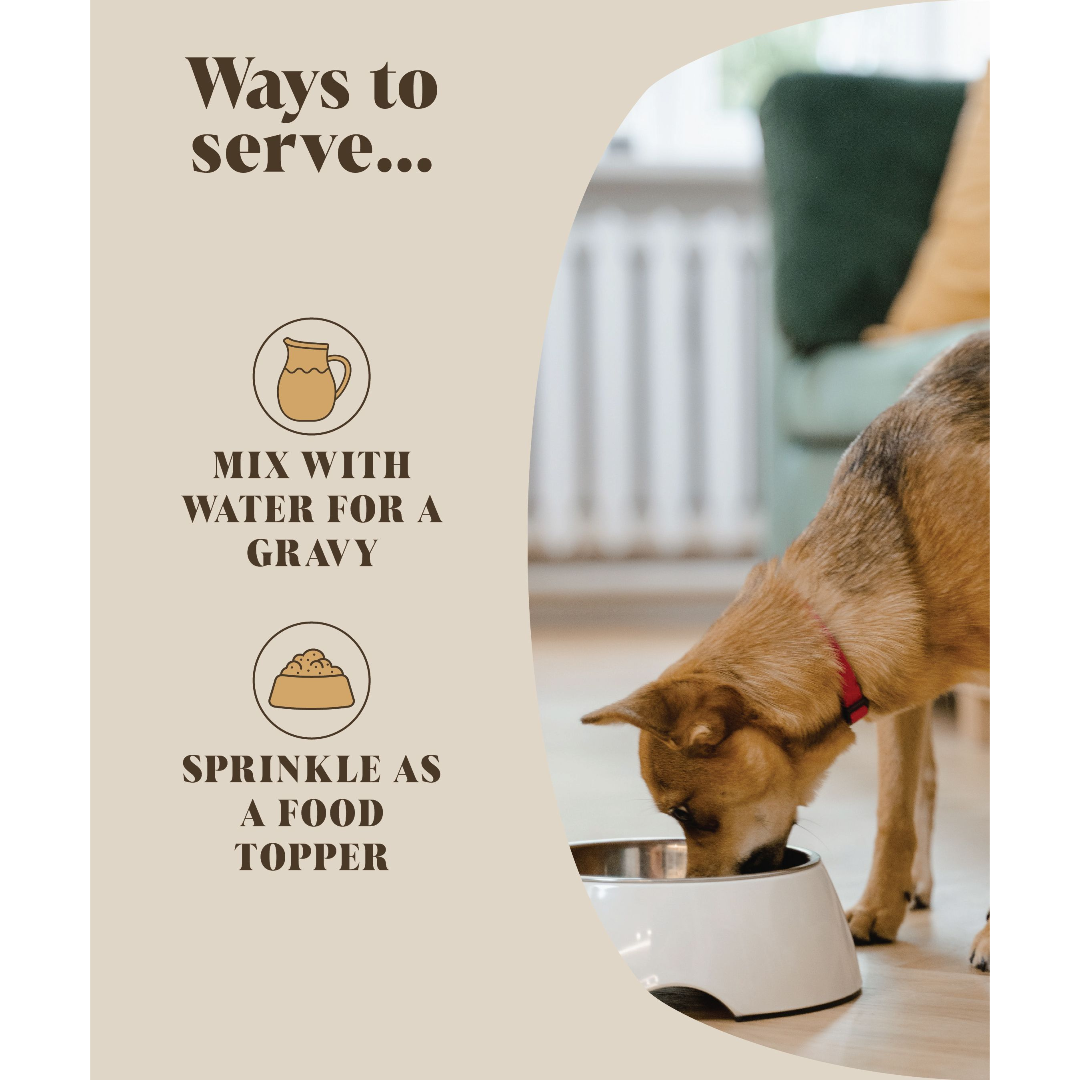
{"x":949,"y":279}
{"x":831,"y":396}
{"x":852,"y":166}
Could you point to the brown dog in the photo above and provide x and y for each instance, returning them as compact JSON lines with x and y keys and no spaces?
{"x":739,"y":733}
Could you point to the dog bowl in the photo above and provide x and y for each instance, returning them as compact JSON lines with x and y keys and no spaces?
{"x":761,"y":944}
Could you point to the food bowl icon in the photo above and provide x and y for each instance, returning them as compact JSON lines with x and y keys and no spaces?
{"x":310,"y":681}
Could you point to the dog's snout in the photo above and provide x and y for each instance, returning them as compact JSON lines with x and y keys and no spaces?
{"x":765,"y":858}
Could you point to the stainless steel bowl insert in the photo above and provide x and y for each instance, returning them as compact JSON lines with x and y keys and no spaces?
{"x":662,"y":860}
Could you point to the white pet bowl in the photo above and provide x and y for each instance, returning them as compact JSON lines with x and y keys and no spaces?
{"x":761,"y":944}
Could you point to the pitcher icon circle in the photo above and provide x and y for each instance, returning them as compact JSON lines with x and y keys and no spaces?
{"x":306,"y":390}
{"x":311,"y":376}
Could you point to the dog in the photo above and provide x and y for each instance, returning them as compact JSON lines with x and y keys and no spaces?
{"x":881,"y":605}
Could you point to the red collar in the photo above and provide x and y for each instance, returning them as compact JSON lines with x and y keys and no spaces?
{"x":853,"y":704}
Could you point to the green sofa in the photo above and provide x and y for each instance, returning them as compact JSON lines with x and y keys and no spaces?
{"x":852,"y":165}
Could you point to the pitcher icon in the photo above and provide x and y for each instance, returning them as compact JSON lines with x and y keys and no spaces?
{"x":306,"y":390}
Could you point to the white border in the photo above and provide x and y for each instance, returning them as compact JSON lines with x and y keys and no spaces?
{"x":1034,"y":490}
{"x":44,"y":902}
{"x":44,"y":541}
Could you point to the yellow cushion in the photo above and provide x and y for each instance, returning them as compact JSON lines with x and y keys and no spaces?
{"x":949,"y":279}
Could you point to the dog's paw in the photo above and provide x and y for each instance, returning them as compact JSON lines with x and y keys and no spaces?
{"x":877,"y":921}
{"x":980,"y":949}
{"x":920,"y":895}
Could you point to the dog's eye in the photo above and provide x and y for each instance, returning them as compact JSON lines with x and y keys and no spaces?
{"x":680,"y":814}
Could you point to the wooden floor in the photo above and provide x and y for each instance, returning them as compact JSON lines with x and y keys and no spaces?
{"x":922,"y":1012}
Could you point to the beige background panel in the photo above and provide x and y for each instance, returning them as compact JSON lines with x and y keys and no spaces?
{"x":478,"y":953}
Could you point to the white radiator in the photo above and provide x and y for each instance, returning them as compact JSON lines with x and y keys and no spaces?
{"x":644,"y":436}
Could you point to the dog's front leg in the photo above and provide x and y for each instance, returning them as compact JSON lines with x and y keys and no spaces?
{"x":980,"y":948}
{"x":925,"y":797}
{"x":880,"y":911}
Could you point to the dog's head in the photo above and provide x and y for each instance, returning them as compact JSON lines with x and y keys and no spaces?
{"x":730,"y":774}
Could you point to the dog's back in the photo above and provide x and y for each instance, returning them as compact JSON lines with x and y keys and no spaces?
{"x":907,"y":519}
{"x":958,"y":384}
{"x":946,"y":407}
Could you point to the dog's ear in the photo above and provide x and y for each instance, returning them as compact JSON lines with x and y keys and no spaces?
{"x":691,"y":715}
{"x":645,"y":708}
{"x":707,"y":714}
